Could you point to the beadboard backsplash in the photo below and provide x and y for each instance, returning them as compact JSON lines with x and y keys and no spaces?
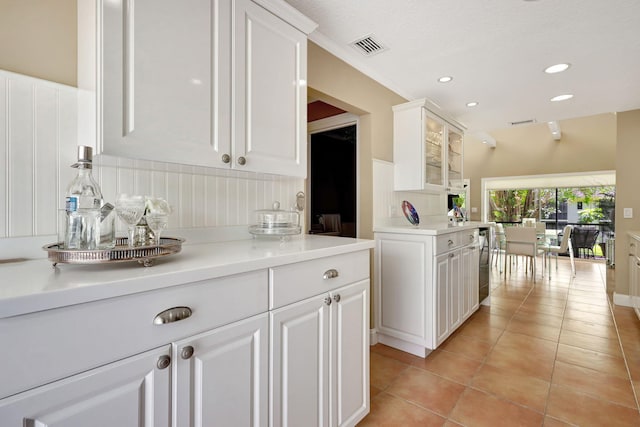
{"x":38,"y":139}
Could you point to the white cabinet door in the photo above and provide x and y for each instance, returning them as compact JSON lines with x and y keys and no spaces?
{"x":401,"y":290}
{"x":350,"y":341}
{"x":470,"y":266}
{"x":269,"y":91}
{"x":165,"y":92}
{"x":442,"y":295}
{"x":455,"y":288}
{"x":300,"y":363}
{"x":222,"y":377}
{"x":131,"y":392}
{"x":427,"y":150}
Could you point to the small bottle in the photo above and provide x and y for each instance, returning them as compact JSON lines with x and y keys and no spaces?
{"x":83,"y":203}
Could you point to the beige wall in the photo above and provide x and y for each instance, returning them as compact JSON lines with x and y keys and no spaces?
{"x":587,"y":144}
{"x":627,"y":195}
{"x":38,"y":39}
{"x":339,"y":84}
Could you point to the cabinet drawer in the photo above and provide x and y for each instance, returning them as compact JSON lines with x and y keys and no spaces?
{"x":49,"y":345}
{"x":446,"y":242}
{"x":295,"y":282}
{"x":449,"y":241}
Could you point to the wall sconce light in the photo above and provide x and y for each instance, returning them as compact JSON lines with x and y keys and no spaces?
{"x":554,"y":127}
{"x":486,"y":139}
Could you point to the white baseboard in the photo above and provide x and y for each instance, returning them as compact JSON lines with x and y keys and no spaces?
{"x":622,"y":299}
{"x":409,"y":347}
{"x":373,"y":336}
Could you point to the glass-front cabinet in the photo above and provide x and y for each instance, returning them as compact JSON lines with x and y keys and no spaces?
{"x":427,"y":149}
{"x":433,"y":150}
{"x":454,"y":158}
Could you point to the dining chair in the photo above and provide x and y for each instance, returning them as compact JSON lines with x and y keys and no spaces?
{"x":498,"y":244}
{"x":565,"y":245}
{"x":521,"y":241}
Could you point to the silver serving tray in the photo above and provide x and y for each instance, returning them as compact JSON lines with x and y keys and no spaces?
{"x":120,"y":253}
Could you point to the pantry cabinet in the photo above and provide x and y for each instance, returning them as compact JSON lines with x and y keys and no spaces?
{"x":427,"y":149}
{"x":218,"y":83}
{"x":426,"y":287}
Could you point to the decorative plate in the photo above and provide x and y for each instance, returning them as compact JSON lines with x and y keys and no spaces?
{"x":410,"y":212}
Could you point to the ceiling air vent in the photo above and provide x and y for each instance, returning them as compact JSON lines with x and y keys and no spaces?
{"x":522,"y":122}
{"x":368,"y":46}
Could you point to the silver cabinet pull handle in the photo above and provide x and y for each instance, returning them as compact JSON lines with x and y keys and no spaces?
{"x":171,"y":315}
{"x":242,"y":161}
{"x":327,"y":300}
{"x":336,"y":298}
{"x":163,"y":362}
{"x":187,"y":352}
{"x":226,"y":158}
{"x":330,"y":274}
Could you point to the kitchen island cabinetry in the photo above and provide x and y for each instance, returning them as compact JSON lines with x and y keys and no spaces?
{"x":426,"y":287}
{"x":230,"y":92}
{"x":320,"y":345}
{"x":427,"y":149}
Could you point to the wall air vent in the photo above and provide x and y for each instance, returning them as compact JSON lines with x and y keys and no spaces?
{"x":522,"y":122}
{"x":368,"y":46}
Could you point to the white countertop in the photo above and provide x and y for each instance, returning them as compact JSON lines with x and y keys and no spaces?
{"x":35,"y":285}
{"x":429,"y":229}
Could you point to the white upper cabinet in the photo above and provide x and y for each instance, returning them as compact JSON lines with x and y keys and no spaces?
{"x":427,"y":150}
{"x":218,"y":83}
{"x":270,"y":93}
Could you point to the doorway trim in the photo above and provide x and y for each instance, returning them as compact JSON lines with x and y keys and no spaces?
{"x":330,"y":123}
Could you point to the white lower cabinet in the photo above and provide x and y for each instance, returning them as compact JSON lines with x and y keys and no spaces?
{"x":320,"y":355}
{"x":132,"y":392}
{"x":210,"y":366}
{"x":426,"y":287}
{"x":221,"y":376}
{"x":320,"y":351}
{"x":285,"y":346}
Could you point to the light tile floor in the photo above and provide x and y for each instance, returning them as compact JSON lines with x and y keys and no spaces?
{"x":553,"y":353}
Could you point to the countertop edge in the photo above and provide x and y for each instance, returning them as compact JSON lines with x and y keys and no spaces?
{"x":197,"y":262}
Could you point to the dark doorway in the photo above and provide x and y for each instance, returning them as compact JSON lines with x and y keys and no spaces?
{"x":333,"y":178}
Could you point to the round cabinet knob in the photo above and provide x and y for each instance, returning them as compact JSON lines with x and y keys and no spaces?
{"x":242,"y":161}
{"x":336,"y":298}
{"x":226,"y":158}
{"x":186,"y":352}
{"x":450,"y":242}
{"x":327,"y":300}
{"x":163,"y":362}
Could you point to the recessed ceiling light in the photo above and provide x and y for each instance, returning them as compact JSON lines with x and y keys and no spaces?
{"x":472,"y":104}
{"x":561,"y":97}
{"x":557,"y":68}
{"x":445,"y":79}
